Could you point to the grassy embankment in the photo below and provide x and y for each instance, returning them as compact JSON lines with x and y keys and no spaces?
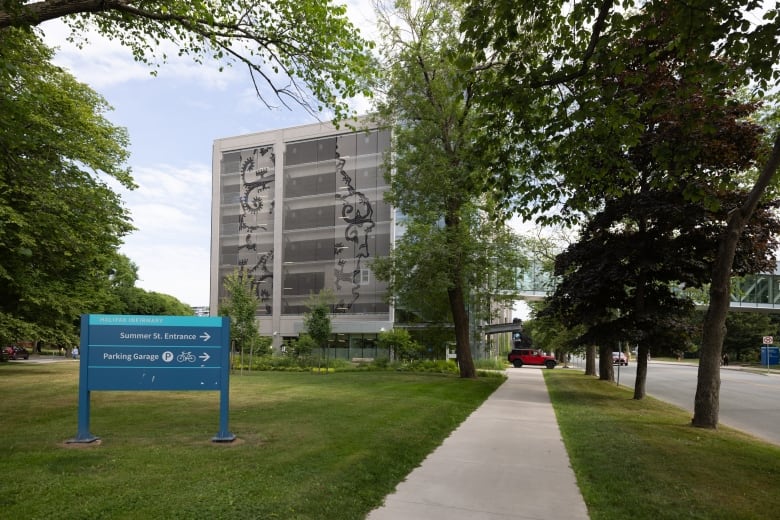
{"x":643,"y":460}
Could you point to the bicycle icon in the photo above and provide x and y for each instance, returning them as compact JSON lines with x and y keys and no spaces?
{"x":185,"y":357}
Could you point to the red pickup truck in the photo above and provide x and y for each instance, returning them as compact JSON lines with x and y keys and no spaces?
{"x":530,"y":356}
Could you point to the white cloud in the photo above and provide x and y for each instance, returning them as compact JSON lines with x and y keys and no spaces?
{"x":362,"y":15}
{"x":161,"y":218}
{"x":171,"y":183}
{"x":103,"y":62}
{"x":181,"y":270}
{"x":171,"y":209}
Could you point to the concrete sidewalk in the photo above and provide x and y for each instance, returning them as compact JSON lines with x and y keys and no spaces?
{"x":506,"y":461}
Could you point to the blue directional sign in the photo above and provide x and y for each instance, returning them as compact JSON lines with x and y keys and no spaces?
{"x":770,"y":355}
{"x":125,"y":352}
{"x":154,"y":353}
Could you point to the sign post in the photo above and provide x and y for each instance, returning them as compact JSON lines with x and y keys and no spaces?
{"x":769,"y":353}
{"x":123,"y":352}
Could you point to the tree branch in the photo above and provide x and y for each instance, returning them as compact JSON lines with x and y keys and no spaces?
{"x":595,"y":36}
{"x":36,"y":13}
{"x":562,"y":76}
{"x":765,"y":177}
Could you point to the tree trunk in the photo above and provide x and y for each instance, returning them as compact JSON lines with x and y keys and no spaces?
{"x":706,"y":405}
{"x":606,"y":370}
{"x":707,"y":401}
{"x":590,"y":360}
{"x":641,"y":372}
{"x":456,"y":292}
{"x":461,"y":322}
{"x":639,"y":310}
{"x":562,"y":357}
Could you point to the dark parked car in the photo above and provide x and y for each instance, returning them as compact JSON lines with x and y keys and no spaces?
{"x":15,"y":352}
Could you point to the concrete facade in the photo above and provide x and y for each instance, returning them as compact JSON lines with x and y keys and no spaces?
{"x":299,"y":210}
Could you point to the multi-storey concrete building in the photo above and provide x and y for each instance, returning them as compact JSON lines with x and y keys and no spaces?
{"x":300,"y":210}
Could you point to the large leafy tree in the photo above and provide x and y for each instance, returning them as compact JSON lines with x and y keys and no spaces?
{"x":712,"y":39}
{"x":303,"y":51}
{"x":60,"y":224}
{"x":437,"y":183}
{"x":418,"y":284}
{"x":664,"y":205}
{"x":650,"y":243}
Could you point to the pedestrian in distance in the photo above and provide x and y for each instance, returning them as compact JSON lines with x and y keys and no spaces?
{"x":75,"y":352}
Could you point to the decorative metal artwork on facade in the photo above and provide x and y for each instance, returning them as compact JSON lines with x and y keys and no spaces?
{"x":256,"y":213}
{"x":358,"y":213}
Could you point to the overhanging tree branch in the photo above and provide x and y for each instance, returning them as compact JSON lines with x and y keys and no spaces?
{"x":306,"y":51}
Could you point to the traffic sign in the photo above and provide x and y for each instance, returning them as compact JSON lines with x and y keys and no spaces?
{"x":768,"y":340}
{"x":124,"y":352}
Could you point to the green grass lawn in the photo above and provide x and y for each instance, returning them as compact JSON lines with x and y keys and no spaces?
{"x":642,"y":459}
{"x":332,"y":446}
{"x":309,"y":446}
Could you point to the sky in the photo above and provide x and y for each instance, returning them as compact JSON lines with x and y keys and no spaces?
{"x":173,"y":119}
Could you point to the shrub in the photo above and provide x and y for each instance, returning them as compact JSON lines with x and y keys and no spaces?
{"x":302,"y":347}
{"x":490,"y":364}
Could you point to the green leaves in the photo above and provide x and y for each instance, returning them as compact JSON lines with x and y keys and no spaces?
{"x":579,"y":68}
{"x":401,"y":344}
{"x":61,"y":224}
{"x":442,"y":181}
{"x":240,"y":304}
{"x":317,"y":320}
{"x":305,"y":52}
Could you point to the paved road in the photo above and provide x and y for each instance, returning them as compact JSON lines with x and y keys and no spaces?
{"x":748,"y":401}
